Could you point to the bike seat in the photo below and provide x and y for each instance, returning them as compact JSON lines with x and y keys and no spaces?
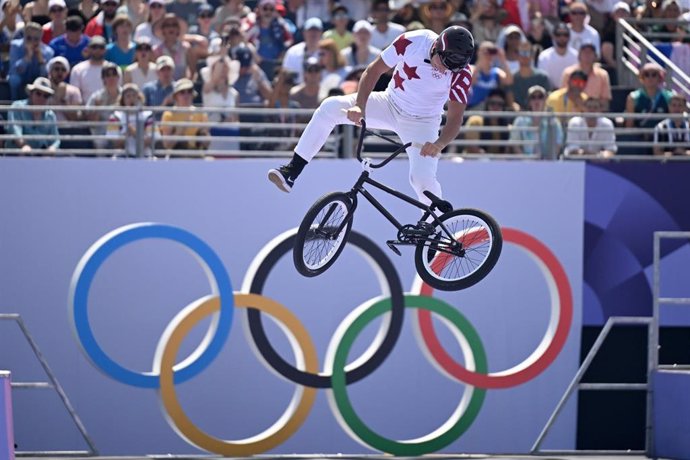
{"x":441,"y":205}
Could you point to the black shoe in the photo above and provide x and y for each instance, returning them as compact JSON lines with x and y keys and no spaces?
{"x":283,"y":177}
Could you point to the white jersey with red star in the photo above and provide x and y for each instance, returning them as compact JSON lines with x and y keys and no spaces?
{"x":416,"y":88}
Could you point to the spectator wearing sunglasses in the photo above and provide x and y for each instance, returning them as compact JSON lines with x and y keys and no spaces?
{"x":38,"y":94}
{"x":487,"y":75}
{"x":650,"y":98}
{"x":64,"y":93}
{"x":143,"y":69}
{"x":384,"y":31}
{"x":183,"y":95}
{"x":553,"y":60}
{"x":204,"y":23}
{"x":87,"y":74}
{"x":340,"y":18}
{"x":28,"y":58}
{"x":547,"y":139}
{"x":121,"y":50}
{"x":56,"y":27}
{"x":571,"y":98}
{"x":580,"y":31}
{"x":73,"y":42}
{"x":527,"y":75}
{"x":270,"y":35}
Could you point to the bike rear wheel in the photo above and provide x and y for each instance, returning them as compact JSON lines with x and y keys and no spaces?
{"x":323,"y":233}
{"x":449,"y":266}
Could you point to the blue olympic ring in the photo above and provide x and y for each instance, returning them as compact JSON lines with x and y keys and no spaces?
{"x":94,"y":258}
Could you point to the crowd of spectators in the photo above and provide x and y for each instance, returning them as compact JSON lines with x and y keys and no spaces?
{"x":95,"y":60}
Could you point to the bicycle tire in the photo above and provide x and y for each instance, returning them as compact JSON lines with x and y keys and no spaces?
{"x":482,"y":241}
{"x":308,"y":254}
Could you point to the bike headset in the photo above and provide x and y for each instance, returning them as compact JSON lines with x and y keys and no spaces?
{"x":455,"y":48}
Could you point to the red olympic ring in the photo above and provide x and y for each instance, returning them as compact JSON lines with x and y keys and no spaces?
{"x":505,"y":379}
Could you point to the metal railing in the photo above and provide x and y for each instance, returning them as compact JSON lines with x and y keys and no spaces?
{"x":275,"y":132}
{"x":633,"y":50}
{"x":52,"y":384}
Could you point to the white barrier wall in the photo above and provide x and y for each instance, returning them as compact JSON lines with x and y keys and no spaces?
{"x":526,"y":313}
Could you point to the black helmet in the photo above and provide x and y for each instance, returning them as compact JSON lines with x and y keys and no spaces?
{"x":455,"y":47}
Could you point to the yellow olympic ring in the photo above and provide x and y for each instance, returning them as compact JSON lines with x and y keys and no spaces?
{"x":294,"y":415}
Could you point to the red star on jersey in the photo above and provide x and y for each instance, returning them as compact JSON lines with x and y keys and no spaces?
{"x":398,"y":81}
{"x":411,"y":72}
{"x":401,"y":45}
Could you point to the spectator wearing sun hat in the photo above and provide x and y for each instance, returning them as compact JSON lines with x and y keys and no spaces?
{"x":300,"y":52}
{"x":361,"y":52}
{"x":183,"y":96}
{"x":38,"y":94}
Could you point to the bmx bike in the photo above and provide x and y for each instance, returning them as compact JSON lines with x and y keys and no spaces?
{"x":454,"y":250}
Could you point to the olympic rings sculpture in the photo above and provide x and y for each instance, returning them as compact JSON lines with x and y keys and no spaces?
{"x":336,"y":373}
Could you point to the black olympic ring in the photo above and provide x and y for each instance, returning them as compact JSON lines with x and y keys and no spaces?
{"x":256,"y":284}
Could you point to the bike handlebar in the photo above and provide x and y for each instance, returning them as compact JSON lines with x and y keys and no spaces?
{"x":360,"y":143}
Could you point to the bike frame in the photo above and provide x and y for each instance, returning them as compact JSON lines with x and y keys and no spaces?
{"x":365,"y":179}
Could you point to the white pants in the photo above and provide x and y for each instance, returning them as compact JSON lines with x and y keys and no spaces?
{"x":380,"y":114}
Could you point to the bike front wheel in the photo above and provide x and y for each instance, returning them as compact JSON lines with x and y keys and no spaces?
{"x":323,"y":233}
{"x":451,"y":265}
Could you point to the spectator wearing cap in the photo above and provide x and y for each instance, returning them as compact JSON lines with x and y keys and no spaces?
{"x":183,"y":96}
{"x":87,"y":74}
{"x":436,"y":14}
{"x":28,"y":58}
{"x":297,"y":54}
{"x":307,"y":94}
{"x":672,"y":135}
{"x":185,"y":10}
{"x":553,"y":60}
{"x":252,"y":84}
{"x":203,"y":26}
{"x":598,"y":84}
{"x":159,"y":92}
{"x":145,"y":29}
{"x":20,"y":121}
{"x":64,"y":94}
{"x":650,"y":98}
{"x":340,"y":18}
{"x":361,"y":52}
{"x":591,"y":135}
{"x":580,"y":31}
{"x":541,"y":132}
{"x":101,"y":24}
{"x":121,"y":49}
{"x":509,"y":40}
{"x":174,"y":46}
{"x":56,"y":26}
{"x":107,"y":96}
{"x":527,"y":75}
{"x":486,"y":75}
{"x":571,"y":98}
{"x":270,"y":35}
{"x":124,"y":124}
{"x":384,"y":31}
{"x":143,"y":69}
{"x":73,"y":42}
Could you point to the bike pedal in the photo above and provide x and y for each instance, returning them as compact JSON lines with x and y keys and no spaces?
{"x":393,"y":247}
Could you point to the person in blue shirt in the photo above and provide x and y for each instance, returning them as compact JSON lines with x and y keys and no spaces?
{"x":38,"y":93}
{"x":28,"y":58}
{"x":73,"y":42}
{"x":121,"y":51}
